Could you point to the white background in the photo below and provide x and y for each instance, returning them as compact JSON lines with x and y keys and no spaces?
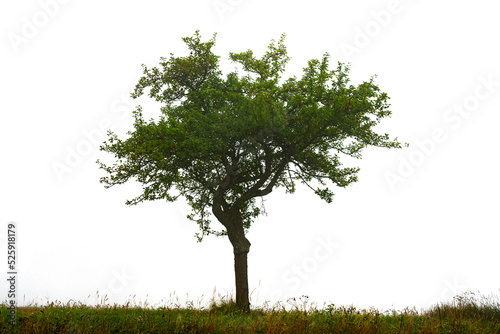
{"x":420,"y":226}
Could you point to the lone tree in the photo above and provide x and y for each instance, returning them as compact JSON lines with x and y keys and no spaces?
{"x":224,"y":141}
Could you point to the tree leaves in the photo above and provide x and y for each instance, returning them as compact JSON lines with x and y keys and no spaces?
{"x":223,"y":141}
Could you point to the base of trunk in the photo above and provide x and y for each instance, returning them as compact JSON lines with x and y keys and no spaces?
{"x":240,"y":269}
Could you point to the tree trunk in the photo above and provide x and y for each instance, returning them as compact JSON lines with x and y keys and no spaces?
{"x":241,"y":247}
{"x":232,"y":221}
{"x":241,"y":275}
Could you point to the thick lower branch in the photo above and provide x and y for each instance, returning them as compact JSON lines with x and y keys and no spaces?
{"x":256,"y":192}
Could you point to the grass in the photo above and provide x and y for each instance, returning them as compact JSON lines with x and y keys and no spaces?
{"x":467,"y":313}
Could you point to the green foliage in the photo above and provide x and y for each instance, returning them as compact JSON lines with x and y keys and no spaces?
{"x":224,"y":141}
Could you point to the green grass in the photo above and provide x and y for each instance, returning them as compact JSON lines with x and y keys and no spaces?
{"x":467,"y":313}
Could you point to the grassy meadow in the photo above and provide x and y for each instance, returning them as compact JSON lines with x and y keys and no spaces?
{"x":467,"y":313}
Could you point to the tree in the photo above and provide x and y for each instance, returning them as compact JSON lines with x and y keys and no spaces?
{"x":222,"y":142}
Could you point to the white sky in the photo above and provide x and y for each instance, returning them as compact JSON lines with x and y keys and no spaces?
{"x":420,"y":226}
